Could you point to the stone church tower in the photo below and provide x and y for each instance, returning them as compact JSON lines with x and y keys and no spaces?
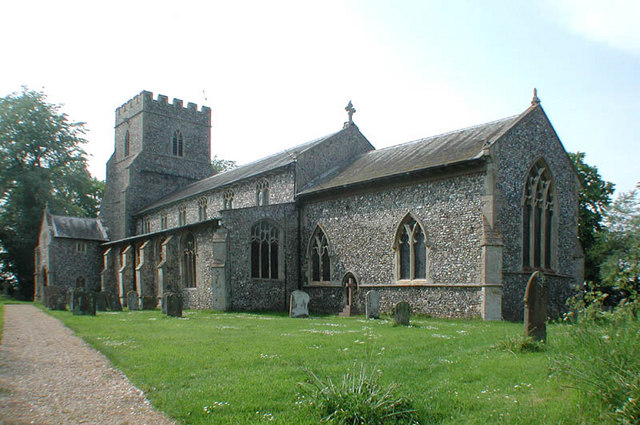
{"x":160,"y":147}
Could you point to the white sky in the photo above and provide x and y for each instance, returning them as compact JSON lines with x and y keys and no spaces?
{"x":279,"y":73}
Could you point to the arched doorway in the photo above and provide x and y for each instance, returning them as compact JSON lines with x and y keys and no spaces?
{"x":349,"y":288}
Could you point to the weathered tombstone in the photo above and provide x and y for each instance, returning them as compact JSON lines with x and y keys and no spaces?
{"x":69,"y":298}
{"x":148,"y":303}
{"x":299,"y":304}
{"x":133,"y":301}
{"x":113,"y":301}
{"x":372,"y":304}
{"x":54,"y":298}
{"x":101,"y":301}
{"x":172,"y":304}
{"x":536,"y":299}
{"x":84,"y":303}
{"x":401,"y":313}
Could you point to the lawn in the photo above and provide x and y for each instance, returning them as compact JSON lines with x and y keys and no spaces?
{"x":241,"y":368}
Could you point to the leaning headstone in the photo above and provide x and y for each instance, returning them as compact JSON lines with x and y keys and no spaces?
{"x":101,"y":301}
{"x":536,"y":299}
{"x":372,"y":304}
{"x":148,"y":303}
{"x":299,"y":304}
{"x":401,"y":313}
{"x":84,"y":303}
{"x":54,"y":298}
{"x":113,"y":301}
{"x":133,"y":301}
{"x":172,"y":304}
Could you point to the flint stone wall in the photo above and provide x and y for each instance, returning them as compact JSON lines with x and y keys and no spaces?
{"x":361,"y":229}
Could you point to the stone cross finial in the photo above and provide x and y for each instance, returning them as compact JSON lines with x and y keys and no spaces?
{"x":350,"y":110}
{"x":535,"y":100}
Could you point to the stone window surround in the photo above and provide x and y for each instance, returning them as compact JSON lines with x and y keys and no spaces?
{"x":228,"y":196}
{"x":182,"y":215}
{"x":202,"y":208}
{"x":164,"y":220}
{"x":280,"y":255}
{"x":397,"y":255}
{"x":262,"y":192}
{"x":177,"y":144}
{"x":81,"y":247}
{"x":188,"y":260}
{"x":146,"y":225}
{"x":539,"y":172}
{"x":310,"y":247}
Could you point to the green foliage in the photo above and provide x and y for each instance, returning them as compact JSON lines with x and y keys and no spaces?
{"x":359,"y":399}
{"x":219,"y":165}
{"x":602,"y":359}
{"x":594,"y":197}
{"x":41,"y":161}
{"x":520,"y":344}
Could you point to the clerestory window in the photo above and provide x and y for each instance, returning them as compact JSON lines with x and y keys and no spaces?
{"x":411,"y":250}
{"x":538,"y":218}
{"x":265,"y":251}
{"x":202,"y":209}
{"x":262,"y":192}
{"x":228,"y":199}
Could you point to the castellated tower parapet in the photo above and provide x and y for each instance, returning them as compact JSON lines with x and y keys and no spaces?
{"x":159,"y":147}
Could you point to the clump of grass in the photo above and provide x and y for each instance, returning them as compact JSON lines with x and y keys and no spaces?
{"x":359,"y":399}
{"x":519,"y":344}
{"x":603,"y":362}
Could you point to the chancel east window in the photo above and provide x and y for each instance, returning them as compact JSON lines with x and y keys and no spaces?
{"x":265,"y":250}
{"x":320,"y":263}
{"x":537,"y":218}
{"x":228,"y":199}
{"x":262,"y":192}
{"x":202,"y":209}
{"x":411,"y":250}
{"x":177,"y":145}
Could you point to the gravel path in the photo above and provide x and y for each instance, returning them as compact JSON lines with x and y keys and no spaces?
{"x":50,"y":376}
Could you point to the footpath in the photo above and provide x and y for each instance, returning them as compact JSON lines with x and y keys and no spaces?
{"x":48,"y":376}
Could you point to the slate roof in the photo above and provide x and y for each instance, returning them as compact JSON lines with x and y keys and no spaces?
{"x":437,"y":151}
{"x":78,"y":228}
{"x":252,"y":169}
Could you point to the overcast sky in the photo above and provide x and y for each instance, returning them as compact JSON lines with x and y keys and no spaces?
{"x":279,"y":73}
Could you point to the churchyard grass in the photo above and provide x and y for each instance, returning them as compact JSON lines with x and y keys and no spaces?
{"x":241,"y":368}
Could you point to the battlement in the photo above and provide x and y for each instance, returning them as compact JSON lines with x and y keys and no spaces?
{"x":144,"y":101}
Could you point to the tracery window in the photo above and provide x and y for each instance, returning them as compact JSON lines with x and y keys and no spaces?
{"x":189,"y":261}
{"x":81,"y":247}
{"x":178,"y":143}
{"x":265,"y":250}
{"x":182,"y":216}
{"x":537,"y":218}
{"x":126,"y":143}
{"x":146,"y":226}
{"x":262,"y":192}
{"x":411,"y":250}
{"x":228,"y":199}
{"x":164,"y":221}
{"x":202,"y":209}
{"x":319,"y":253}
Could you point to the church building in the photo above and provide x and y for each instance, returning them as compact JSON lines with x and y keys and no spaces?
{"x":454,"y":224}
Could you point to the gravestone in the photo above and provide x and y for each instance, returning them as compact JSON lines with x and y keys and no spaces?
{"x":133,"y":301}
{"x":101,"y":301}
{"x":536,"y":300}
{"x":148,"y":303}
{"x":113,"y":301}
{"x":69,"y":298}
{"x":84,"y":303}
{"x":372,"y":304}
{"x":54,"y":298}
{"x":401,"y":313}
{"x":172,"y":304}
{"x":299,"y":304}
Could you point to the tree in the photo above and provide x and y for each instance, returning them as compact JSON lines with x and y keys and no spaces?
{"x":594,"y":197}
{"x":219,"y":165}
{"x":41,"y":161}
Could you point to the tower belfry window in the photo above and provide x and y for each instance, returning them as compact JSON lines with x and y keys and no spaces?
{"x":126,"y":144}
{"x":178,"y":144}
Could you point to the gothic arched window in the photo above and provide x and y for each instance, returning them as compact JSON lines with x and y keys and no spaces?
{"x":411,"y":250}
{"x":319,"y":254}
{"x":262,"y":192}
{"x":537,"y":218}
{"x":178,"y":143}
{"x":202,"y":209}
{"x":126,"y":143}
{"x":265,"y":251}
{"x":228,"y":199}
{"x":189,"y":261}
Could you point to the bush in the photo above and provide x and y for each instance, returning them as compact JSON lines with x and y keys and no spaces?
{"x":359,"y":399}
{"x":519,"y":344}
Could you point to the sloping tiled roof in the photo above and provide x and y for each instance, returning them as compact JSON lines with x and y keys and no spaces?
{"x":78,"y":228}
{"x":255,"y":168}
{"x":436,"y":151}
